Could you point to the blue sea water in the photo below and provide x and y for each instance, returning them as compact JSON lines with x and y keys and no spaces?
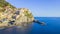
{"x":52,"y":26}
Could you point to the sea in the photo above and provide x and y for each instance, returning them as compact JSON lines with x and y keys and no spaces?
{"x":52,"y":26}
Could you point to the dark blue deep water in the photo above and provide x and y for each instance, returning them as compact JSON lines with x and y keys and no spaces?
{"x":52,"y":27}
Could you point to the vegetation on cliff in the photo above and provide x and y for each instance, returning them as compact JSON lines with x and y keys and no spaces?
{"x":4,"y":3}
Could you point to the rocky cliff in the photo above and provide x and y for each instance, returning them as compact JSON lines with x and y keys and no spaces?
{"x":12,"y":16}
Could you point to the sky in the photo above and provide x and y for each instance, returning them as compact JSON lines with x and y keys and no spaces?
{"x":39,"y":8}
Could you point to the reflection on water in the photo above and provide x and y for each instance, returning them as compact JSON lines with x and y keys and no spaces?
{"x":17,"y":30}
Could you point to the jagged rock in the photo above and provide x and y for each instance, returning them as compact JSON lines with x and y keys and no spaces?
{"x":12,"y":16}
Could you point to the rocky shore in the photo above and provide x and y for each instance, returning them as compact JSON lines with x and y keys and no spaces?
{"x":12,"y":16}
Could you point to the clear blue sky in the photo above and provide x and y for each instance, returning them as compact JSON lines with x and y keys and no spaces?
{"x":40,"y":8}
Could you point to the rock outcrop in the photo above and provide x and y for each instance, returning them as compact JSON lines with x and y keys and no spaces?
{"x":12,"y":16}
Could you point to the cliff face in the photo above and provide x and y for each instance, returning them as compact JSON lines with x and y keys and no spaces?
{"x":10,"y":15}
